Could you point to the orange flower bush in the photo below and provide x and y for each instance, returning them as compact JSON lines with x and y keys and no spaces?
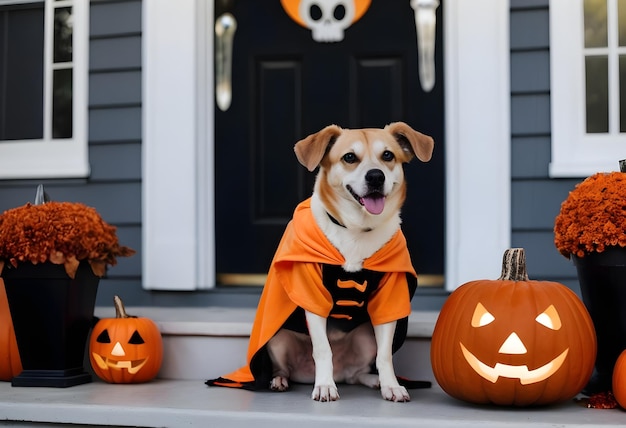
{"x":593,"y":216}
{"x":59,"y":232}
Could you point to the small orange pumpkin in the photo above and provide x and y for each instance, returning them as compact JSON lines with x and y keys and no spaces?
{"x":125,"y":349}
{"x":619,"y":380}
{"x":513,"y":341}
{"x":10,"y":364}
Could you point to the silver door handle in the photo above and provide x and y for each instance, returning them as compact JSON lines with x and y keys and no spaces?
{"x":225,"y":28}
{"x":426,"y":23}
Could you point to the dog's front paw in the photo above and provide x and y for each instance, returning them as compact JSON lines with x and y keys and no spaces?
{"x":395,"y":393}
{"x":279,"y":384}
{"x":325,"y":393}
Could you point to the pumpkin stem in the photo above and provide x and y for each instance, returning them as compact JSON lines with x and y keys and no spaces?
{"x":120,"y":310}
{"x":622,"y":165}
{"x":514,"y":265}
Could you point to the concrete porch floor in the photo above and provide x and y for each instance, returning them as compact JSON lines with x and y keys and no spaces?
{"x":199,"y":344}
{"x":176,"y":403}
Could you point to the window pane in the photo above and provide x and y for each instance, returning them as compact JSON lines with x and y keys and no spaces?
{"x":595,"y":23}
{"x":622,"y":93}
{"x":21,"y":73}
{"x":597,"y":91}
{"x":621,"y":12}
{"x":62,"y":104}
{"x":63,"y":34}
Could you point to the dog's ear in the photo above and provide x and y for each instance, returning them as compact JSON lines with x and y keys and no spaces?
{"x":417,"y":143}
{"x":312,"y":149}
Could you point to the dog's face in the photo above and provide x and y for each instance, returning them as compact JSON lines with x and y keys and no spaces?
{"x":361,"y":169}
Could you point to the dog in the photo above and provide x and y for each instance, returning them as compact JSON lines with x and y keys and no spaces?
{"x":337,"y":297}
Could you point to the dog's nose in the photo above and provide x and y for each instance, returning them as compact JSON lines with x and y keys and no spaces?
{"x":375,"y":178}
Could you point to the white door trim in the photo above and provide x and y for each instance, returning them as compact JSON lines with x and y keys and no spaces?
{"x":178,"y":205}
{"x":478,"y":142}
{"x":177,"y":146}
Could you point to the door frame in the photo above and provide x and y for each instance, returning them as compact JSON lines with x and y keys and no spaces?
{"x":178,"y":251}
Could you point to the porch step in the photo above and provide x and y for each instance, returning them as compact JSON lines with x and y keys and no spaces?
{"x":202,"y":343}
{"x":205,"y":343}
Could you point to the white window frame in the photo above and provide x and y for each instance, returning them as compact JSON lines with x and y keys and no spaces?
{"x":56,"y":157}
{"x":178,"y":178}
{"x":575,"y":153}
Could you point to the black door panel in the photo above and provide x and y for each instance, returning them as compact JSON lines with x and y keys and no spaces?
{"x":287,"y":86}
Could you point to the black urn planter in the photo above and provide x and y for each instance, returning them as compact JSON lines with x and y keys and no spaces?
{"x":52,"y":315}
{"x":602,"y":278}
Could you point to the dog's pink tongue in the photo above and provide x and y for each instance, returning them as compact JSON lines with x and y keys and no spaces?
{"x":374,"y":204}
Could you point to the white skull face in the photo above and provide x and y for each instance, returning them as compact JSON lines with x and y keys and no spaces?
{"x":327,"y":18}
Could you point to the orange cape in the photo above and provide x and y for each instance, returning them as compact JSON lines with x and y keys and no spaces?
{"x":301,"y":252}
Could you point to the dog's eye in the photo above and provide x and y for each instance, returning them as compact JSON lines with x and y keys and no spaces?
{"x":387,"y":156}
{"x":349,"y":158}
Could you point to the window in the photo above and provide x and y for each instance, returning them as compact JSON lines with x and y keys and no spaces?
{"x":588,"y":86}
{"x":43,"y":89}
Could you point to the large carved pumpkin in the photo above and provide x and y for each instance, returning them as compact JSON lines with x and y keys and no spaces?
{"x":125,"y":349}
{"x":10,"y":364}
{"x":513,"y":341}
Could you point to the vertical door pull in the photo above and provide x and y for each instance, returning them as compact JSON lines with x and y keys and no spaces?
{"x":426,"y":23}
{"x":225,"y":28}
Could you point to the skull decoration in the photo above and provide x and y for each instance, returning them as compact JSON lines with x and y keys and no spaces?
{"x":327,"y":19}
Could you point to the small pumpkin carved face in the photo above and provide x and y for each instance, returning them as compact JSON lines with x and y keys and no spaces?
{"x":117,"y":355}
{"x":513,"y":341}
{"x":126,"y":349}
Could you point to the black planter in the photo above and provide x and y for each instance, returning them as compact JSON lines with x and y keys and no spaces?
{"x":602,"y":278}
{"x":52,"y":315}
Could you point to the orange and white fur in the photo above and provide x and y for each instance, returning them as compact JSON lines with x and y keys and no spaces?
{"x":360,"y":184}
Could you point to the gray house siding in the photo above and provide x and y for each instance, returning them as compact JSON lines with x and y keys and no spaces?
{"x":535,"y":197}
{"x":115,"y":132}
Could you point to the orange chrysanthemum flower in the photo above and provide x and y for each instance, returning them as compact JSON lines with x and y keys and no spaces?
{"x":593,"y":216}
{"x":59,"y":232}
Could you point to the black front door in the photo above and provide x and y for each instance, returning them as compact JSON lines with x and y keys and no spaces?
{"x":285,"y":86}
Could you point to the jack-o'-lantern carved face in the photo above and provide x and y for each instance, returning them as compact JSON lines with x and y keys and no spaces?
{"x":117,"y":358}
{"x":513,"y":341}
{"x":125,"y":349}
{"x":513,"y":345}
